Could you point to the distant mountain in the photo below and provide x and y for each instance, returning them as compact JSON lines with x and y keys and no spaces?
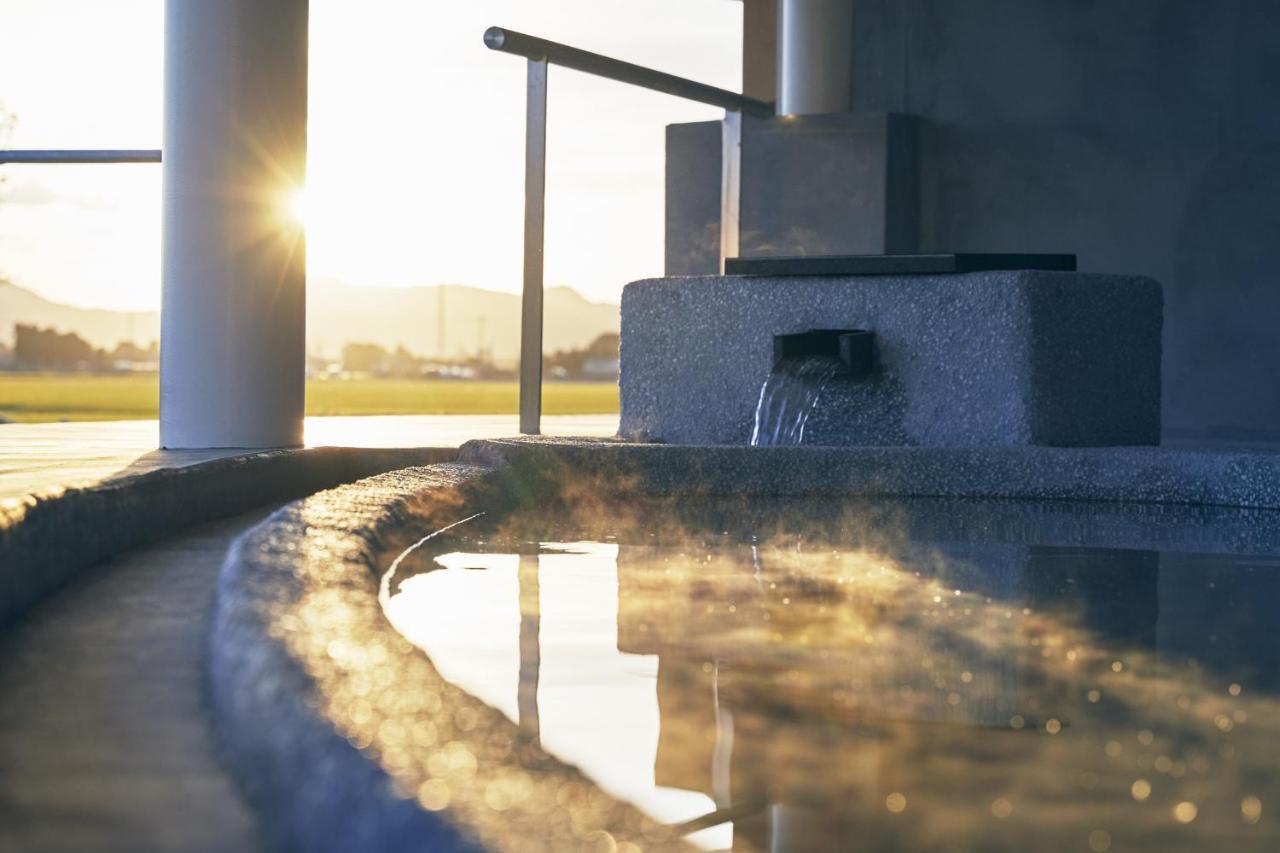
{"x":97,"y":326}
{"x":449,"y":320}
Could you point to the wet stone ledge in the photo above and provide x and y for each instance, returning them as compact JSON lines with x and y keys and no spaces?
{"x":1245,"y":479}
{"x":343,"y":733}
{"x":47,"y":538}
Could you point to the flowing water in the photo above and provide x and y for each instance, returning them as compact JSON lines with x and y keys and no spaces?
{"x":787,"y":399}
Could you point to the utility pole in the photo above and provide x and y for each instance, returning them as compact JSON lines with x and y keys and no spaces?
{"x":440,"y":323}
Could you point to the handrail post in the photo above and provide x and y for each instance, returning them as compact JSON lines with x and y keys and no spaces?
{"x":535,"y":187}
{"x":730,"y":185}
{"x":541,"y":54}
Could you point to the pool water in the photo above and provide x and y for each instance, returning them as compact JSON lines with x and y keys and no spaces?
{"x":822,"y":680}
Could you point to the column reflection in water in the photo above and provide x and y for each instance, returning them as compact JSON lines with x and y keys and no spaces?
{"x":598,"y":697}
{"x":530,"y":653}
{"x":536,"y":635}
{"x":792,"y":694}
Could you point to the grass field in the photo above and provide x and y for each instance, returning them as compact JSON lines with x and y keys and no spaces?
{"x":33,"y":398}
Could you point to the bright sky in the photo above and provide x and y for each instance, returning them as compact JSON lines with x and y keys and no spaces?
{"x":416,"y":150}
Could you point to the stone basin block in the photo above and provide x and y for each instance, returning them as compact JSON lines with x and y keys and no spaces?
{"x":977,"y":359}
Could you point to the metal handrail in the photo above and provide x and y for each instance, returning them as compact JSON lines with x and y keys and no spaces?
{"x":134,"y":155}
{"x":532,"y":47}
{"x":540,"y":54}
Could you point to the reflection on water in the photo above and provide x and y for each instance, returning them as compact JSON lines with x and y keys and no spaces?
{"x":791,"y":694}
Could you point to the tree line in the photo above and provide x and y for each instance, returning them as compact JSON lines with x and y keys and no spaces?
{"x":48,"y":349}
{"x":38,"y":348}
{"x":597,"y":360}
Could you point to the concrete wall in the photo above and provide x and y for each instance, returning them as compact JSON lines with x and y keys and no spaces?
{"x":1143,"y":135}
{"x":977,"y":360}
{"x":692,"y":218}
{"x":835,"y":184}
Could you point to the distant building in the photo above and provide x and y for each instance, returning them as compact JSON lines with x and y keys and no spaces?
{"x":600,"y":368}
{"x":598,"y":361}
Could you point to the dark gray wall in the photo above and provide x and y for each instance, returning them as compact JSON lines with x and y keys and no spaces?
{"x":1143,"y":135}
{"x":838,"y":184}
{"x":692,"y":224}
{"x":799,"y":171}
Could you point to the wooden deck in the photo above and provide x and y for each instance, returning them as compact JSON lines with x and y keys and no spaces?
{"x":37,"y":458}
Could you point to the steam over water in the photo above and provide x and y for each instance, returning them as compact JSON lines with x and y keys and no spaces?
{"x":811,"y":676}
{"x":787,"y":399}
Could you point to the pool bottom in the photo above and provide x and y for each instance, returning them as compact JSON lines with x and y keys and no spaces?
{"x":794,"y":679}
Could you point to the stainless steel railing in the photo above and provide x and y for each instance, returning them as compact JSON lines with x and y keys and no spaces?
{"x":541,"y":54}
{"x":554,"y":53}
{"x":138,"y":155}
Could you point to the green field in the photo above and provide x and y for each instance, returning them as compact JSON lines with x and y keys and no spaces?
{"x":33,"y":398}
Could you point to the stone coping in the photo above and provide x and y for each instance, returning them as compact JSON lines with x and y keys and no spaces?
{"x":343,"y":734}
{"x":1223,"y":478}
{"x":1025,"y":357}
{"x":346,"y":737}
{"x":46,"y":538}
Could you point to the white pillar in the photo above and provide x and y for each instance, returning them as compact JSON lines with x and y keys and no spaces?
{"x":815,"y":54}
{"x":233,"y":345}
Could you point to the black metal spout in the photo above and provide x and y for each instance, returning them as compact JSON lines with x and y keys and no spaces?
{"x":854,"y":349}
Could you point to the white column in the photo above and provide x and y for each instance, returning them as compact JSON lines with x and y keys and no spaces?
{"x":815,"y":54}
{"x":233,"y":345}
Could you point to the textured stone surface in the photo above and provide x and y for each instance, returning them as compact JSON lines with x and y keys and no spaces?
{"x":1202,"y":494}
{"x":314,"y":691}
{"x":344,"y":734}
{"x":105,"y":736}
{"x":1010,"y":358}
{"x":1247,"y":479}
{"x":46,"y":539}
{"x":1143,"y":141}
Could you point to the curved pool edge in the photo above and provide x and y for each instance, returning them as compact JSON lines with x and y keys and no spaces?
{"x":312,"y":789}
{"x":314,"y":759}
{"x":47,"y":538}
{"x":330,"y":757}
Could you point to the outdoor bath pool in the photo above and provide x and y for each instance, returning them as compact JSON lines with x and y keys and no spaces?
{"x":837,"y":674}
{"x":605,"y":646}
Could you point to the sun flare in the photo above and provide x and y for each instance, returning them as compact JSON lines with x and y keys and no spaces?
{"x":297,"y":207}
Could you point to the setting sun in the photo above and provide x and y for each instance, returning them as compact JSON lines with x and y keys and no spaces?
{"x":433,"y":206}
{"x":298,"y":207}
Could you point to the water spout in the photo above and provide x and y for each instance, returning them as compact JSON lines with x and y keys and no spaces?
{"x":788,"y":397}
{"x":804,"y":364}
{"x":854,"y":349}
